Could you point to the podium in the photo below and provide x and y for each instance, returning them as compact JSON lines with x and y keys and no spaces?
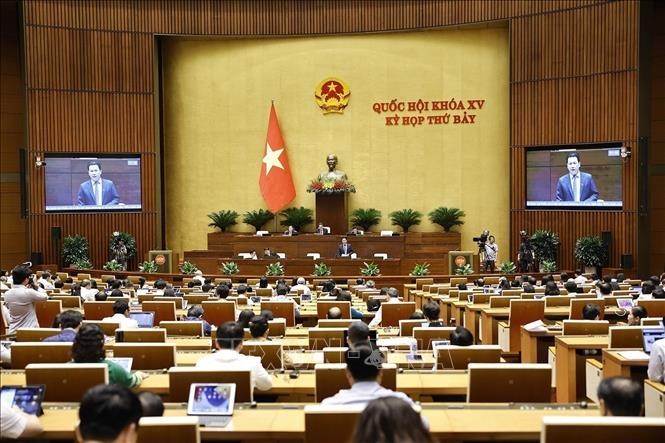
{"x":163,"y":259}
{"x":332,"y":210}
{"x":457,"y":259}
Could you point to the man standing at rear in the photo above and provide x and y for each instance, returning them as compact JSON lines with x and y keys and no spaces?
{"x":20,"y":301}
{"x":576,"y":186}
{"x":97,"y":191}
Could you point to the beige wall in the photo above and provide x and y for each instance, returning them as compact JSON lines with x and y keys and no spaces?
{"x":217,"y":96}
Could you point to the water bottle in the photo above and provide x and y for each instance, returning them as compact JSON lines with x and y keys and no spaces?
{"x":413,"y":347}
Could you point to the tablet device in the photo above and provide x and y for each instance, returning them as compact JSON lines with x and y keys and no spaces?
{"x":212,"y":403}
{"x":28,"y":399}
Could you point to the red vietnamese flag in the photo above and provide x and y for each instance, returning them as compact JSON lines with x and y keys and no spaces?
{"x":275,"y":181}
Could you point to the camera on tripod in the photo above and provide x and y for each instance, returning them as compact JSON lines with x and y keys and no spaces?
{"x":481,"y":240}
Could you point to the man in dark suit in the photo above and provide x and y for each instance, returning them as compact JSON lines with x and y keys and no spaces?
{"x":344,"y":248}
{"x":97,"y":191}
{"x":576,"y":186}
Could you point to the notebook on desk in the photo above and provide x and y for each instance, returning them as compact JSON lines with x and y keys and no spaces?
{"x":212,"y":403}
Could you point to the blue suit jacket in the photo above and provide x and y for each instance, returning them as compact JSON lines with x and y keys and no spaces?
{"x":64,"y":336}
{"x":109,"y":194}
{"x":588,"y":190}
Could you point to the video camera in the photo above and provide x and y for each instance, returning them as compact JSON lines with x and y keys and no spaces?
{"x":482,"y":239}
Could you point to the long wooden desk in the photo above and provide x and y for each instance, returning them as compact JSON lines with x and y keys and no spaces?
{"x":534,"y":344}
{"x":615,"y":364}
{"x":270,"y":422}
{"x":568,"y":377}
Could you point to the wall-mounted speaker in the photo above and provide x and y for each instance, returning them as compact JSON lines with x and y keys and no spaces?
{"x":37,"y":258}
{"x":56,"y":233}
{"x":626,"y":261}
{"x":606,"y":236}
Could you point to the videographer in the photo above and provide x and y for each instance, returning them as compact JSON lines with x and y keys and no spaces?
{"x":525,"y":254}
{"x":491,"y":248}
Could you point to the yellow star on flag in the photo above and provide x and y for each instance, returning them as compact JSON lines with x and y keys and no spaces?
{"x":272,"y":158}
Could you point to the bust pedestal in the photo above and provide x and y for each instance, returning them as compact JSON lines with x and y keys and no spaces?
{"x":332,"y":210}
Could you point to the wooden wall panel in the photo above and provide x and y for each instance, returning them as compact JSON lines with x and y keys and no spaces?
{"x":90,"y":71}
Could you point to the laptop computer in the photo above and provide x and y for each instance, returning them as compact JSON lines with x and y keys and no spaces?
{"x":650,"y":336}
{"x":212,"y":403}
{"x":144,"y":319}
{"x":27,"y":398}
{"x":125,"y":362}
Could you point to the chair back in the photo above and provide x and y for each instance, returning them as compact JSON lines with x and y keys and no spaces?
{"x":141,"y":335}
{"x":281,"y":309}
{"x":392,"y":313}
{"x":420,"y":282}
{"x":47,"y":311}
{"x":270,"y":353}
{"x":577,"y":304}
{"x":331,"y":377}
{"x":24,"y":353}
{"x":218,"y":312}
{"x":277,"y":328}
{"x":320,"y":338}
{"x":330,"y":423}
{"x":406,"y":326}
{"x":177,"y":300}
{"x":521,"y":313}
{"x":344,"y":323}
{"x":502,"y":301}
{"x":188,"y":328}
{"x":322,"y":308}
{"x":35,"y":334}
{"x":180,"y":378}
{"x":622,"y":337}
{"x":264,"y":292}
{"x":558,"y":300}
{"x":335,"y":354}
{"x":147,"y":355}
{"x":163,"y":429}
{"x":197,"y":299}
{"x":97,"y":310}
{"x":425,"y":335}
{"x":459,"y":357}
{"x":107,"y":327}
{"x":509,"y":383}
{"x":558,"y":429}
{"x":66,"y":382}
{"x":655,"y":307}
{"x":454,"y":281}
{"x":142,"y":298}
{"x":585,"y":327}
{"x":68,"y":301}
{"x":164,"y":310}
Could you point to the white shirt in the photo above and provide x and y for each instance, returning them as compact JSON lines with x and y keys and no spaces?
{"x":656,"y":369}
{"x":12,"y":422}
{"x":88,"y":294}
{"x":376,"y":321}
{"x":580,"y":279}
{"x":125,"y":322}
{"x":232,"y":360}
{"x":19,"y":300}
{"x":303,"y":288}
{"x":363,"y":392}
{"x":45,"y":283}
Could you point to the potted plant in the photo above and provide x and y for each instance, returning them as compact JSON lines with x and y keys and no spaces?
{"x":464,"y":270}
{"x":274,"y":269}
{"x":74,"y":248}
{"x":297,"y":217}
{"x":223,"y":219}
{"x":112,"y":265}
{"x":122,"y":247}
{"x":230,"y":268}
{"x":257,"y":218}
{"x":420,"y":269}
{"x":405,"y":218}
{"x":590,"y":251}
{"x":447,"y":218}
{"x":82,"y":263}
{"x":548,"y":266}
{"x":507,"y":267}
{"x":188,"y":268}
{"x":370,"y":269}
{"x":365,"y":218}
{"x":148,"y":266}
{"x":322,"y":270}
{"x":545,"y":245}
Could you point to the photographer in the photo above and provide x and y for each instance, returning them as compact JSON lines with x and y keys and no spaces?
{"x":491,"y":248}
{"x":525,"y":254}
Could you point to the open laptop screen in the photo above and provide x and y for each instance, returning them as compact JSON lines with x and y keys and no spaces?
{"x":650,"y":336}
{"x":211,"y":399}
{"x":28,"y":398}
{"x":144,"y":319}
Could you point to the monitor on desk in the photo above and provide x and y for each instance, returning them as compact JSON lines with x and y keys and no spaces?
{"x":650,"y":336}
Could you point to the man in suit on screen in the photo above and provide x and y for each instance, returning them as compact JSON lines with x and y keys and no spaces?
{"x":576,"y":186}
{"x":97,"y":191}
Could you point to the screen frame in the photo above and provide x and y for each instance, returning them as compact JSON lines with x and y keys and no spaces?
{"x":96,"y":156}
{"x":579,"y":147}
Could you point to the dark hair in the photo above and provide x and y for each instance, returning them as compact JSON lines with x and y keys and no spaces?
{"x":622,"y":396}
{"x":20,"y":273}
{"x":570,"y":286}
{"x":245,"y":317}
{"x":267,"y":313}
{"x":229,"y":335}
{"x":118,"y":293}
{"x":532,"y":280}
{"x":88,"y":346}
{"x":160,"y":284}
{"x":362,"y":364}
{"x":620,"y":277}
{"x":334,"y":313}
{"x":658,"y":293}
{"x":373,"y":304}
{"x":258,"y":326}
{"x":106,"y":410}
{"x":169,"y":292}
{"x":358,"y":333}
{"x":431,"y":310}
{"x":94,"y":163}
{"x":59,"y":284}
{"x":605,"y":288}
{"x":195,"y":311}
{"x":263,"y":282}
{"x":461,"y":337}
{"x":101,"y":296}
{"x":70,"y":319}
{"x":417,"y":315}
{"x":573,"y":154}
{"x":120,"y":306}
{"x":639,"y":311}
{"x":327,"y":286}
{"x":344,"y":296}
{"x":590,"y":311}
{"x":462,"y":287}
{"x":241,"y":289}
{"x":207,"y":287}
{"x":551,"y":288}
{"x":117,"y":284}
{"x":647,"y":287}
{"x":223,"y":291}
{"x":151,"y":404}
{"x":528,"y":288}
{"x":282,"y":289}
{"x":390,"y":420}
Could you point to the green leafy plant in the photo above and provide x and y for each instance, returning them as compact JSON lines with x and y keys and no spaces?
{"x":297,"y":217}
{"x":464,"y":270}
{"x":405,"y":218}
{"x":370,"y":269}
{"x":447,"y":218}
{"x":148,"y":266}
{"x":590,"y":251}
{"x":321,"y":269}
{"x":188,"y":268}
{"x":223,"y":219}
{"x":127,"y":239}
{"x":275,"y":269}
{"x":420,"y":269}
{"x":257,"y":218}
{"x":548,"y":266}
{"x":230,"y":268}
{"x":365,"y":218}
{"x":82,"y":263}
{"x":74,"y":248}
{"x":112,"y":265}
{"x":545,"y":245}
{"x":507,"y":267}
